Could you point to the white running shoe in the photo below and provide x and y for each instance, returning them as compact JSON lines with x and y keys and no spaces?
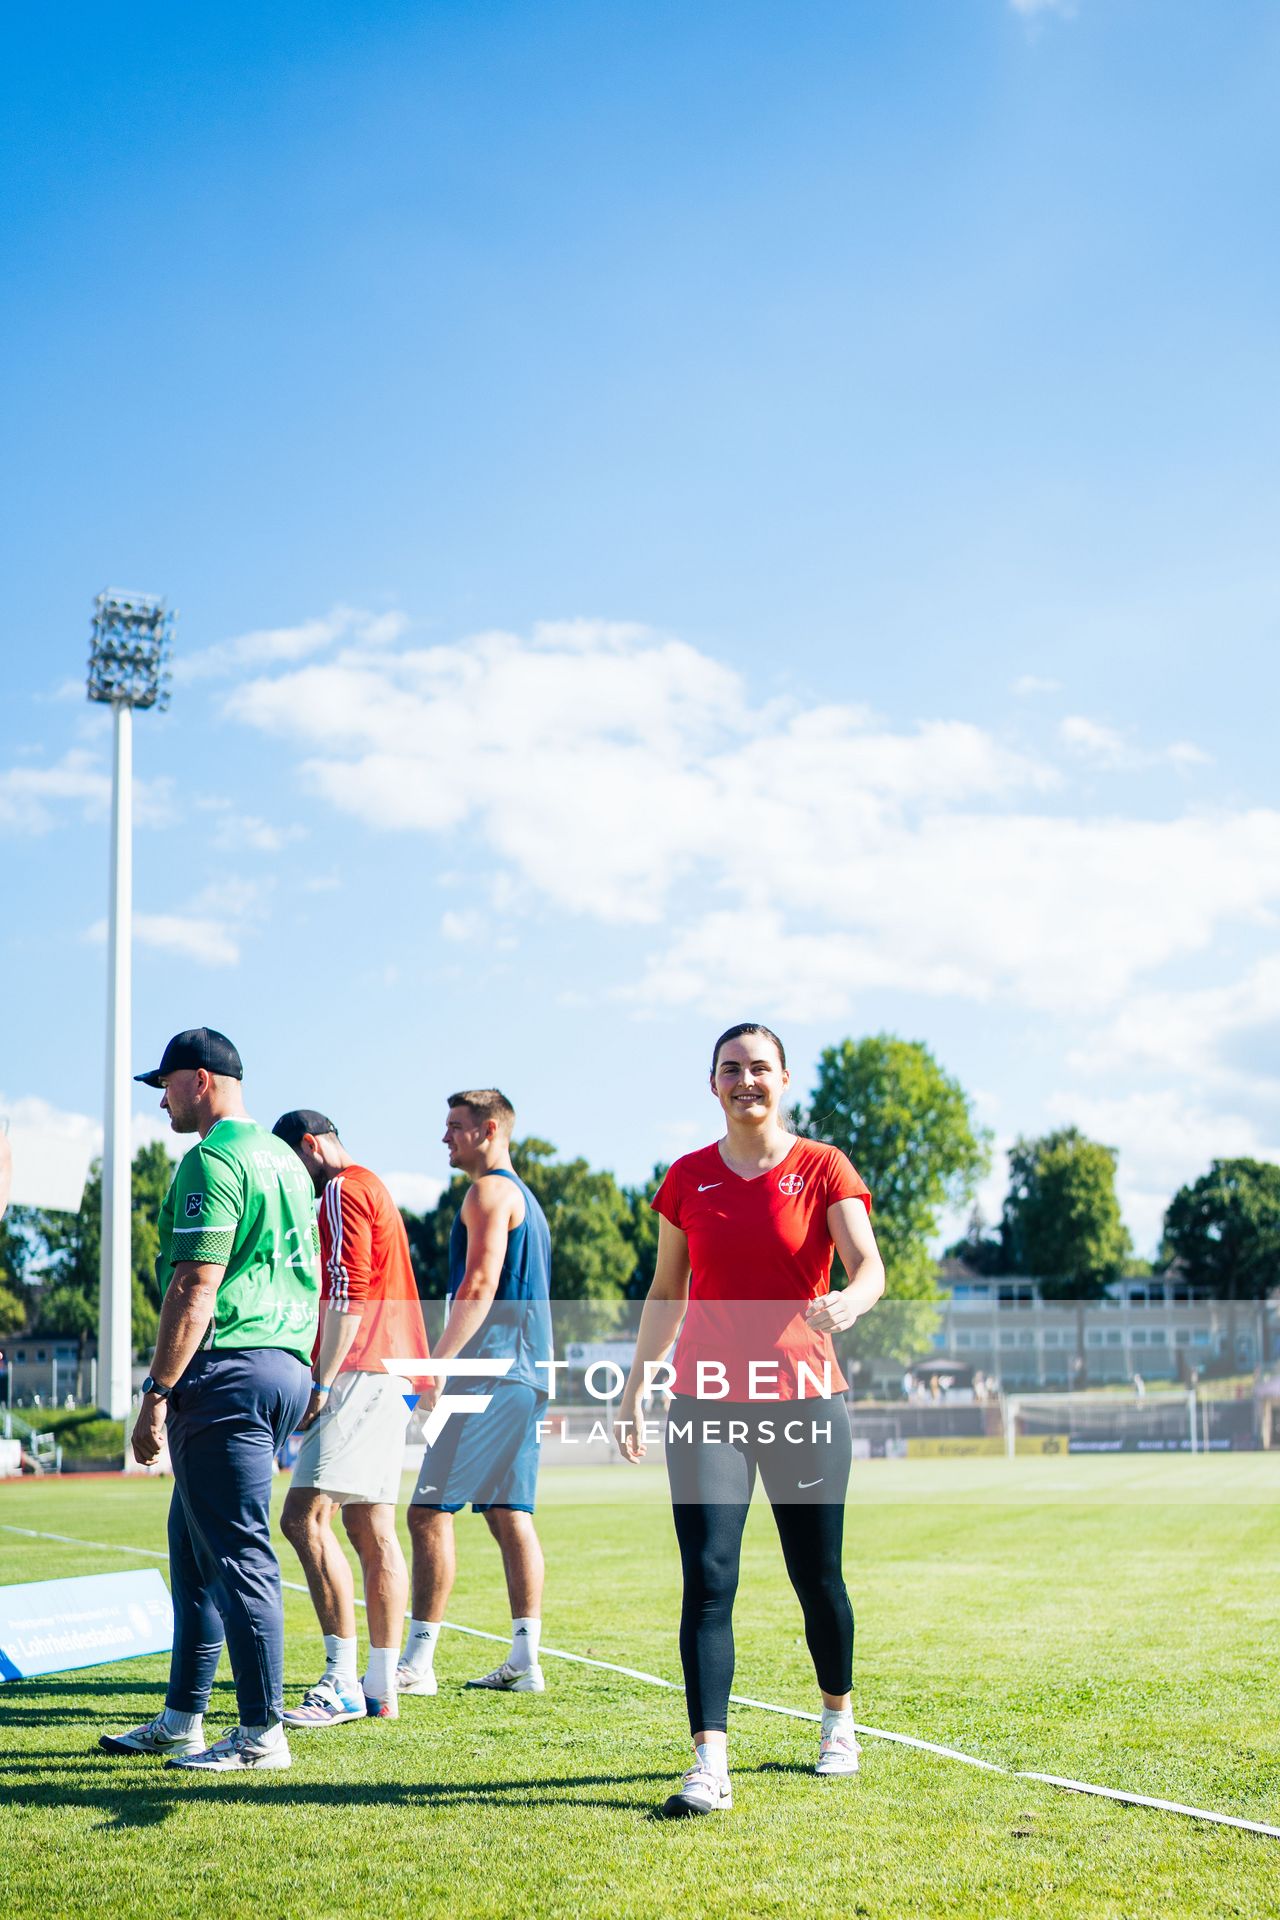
{"x":152,"y":1737}
{"x":701,"y":1791}
{"x":409,"y":1680}
{"x":837,"y":1753}
{"x":235,"y":1753}
{"x":509,"y":1679}
{"x":326,"y":1705}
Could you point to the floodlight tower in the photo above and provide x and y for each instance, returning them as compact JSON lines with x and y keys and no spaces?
{"x":128,"y":668}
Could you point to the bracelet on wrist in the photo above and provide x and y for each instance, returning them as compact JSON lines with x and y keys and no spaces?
{"x":318,"y":1386}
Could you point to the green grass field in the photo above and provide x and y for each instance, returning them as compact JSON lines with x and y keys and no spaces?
{"x":1111,"y":1620}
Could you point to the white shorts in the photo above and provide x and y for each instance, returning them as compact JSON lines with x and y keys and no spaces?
{"x":354,"y":1450}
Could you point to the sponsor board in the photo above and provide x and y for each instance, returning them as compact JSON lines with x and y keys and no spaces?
{"x":52,"y":1626}
{"x":973,"y":1445}
{"x":1127,"y":1444}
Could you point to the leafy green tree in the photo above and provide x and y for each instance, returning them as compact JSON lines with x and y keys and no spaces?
{"x":64,"y":1252}
{"x":1061,"y":1220}
{"x":592,"y":1256}
{"x":593,"y":1243}
{"x":13,"y":1311}
{"x":909,"y":1129}
{"x":1224,"y":1229}
{"x":641,"y":1229}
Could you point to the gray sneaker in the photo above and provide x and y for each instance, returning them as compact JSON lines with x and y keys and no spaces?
{"x":509,"y":1679}
{"x":152,"y":1737}
{"x":701,"y":1791}
{"x":236,"y":1752}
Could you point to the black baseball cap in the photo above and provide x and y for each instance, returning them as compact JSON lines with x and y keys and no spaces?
{"x":197,"y":1047}
{"x":290,"y":1127}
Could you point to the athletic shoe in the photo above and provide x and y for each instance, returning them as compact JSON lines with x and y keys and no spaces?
{"x":409,"y":1680}
{"x":235,"y":1753}
{"x":152,"y":1737}
{"x":837,"y":1753}
{"x":701,"y":1791}
{"x":509,"y":1679}
{"x":326,"y":1705}
{"x":382,"y":1709}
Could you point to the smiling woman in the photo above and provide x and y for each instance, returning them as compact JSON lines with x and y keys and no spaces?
{"x":747,"y":1230}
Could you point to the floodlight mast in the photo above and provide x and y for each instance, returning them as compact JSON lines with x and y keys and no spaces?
{"x":128,"y":668}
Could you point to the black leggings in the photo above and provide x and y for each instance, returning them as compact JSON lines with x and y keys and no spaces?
{"x":803,"y":1451}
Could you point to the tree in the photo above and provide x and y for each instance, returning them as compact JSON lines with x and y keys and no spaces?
{"x":592,"y":1257}
{"x":64,"y":1251}
{"x":641,"y":1229}
{"x":1061,"y":1218}
{"x":909,"y":1128}
{"x":594,"y":1235}
{"x":13,"y":1311}
{"x":1224,"y":1228}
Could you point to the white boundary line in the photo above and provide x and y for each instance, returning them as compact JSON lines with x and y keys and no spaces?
{"x":766,"y":1706}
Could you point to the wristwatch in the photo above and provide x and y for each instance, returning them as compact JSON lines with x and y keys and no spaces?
{"x":152,"y":1385}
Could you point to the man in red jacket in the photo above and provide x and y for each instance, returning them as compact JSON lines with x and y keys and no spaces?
{"x":352,"y":1451}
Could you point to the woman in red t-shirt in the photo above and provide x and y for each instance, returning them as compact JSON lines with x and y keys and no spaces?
{"x":745,"y":1238}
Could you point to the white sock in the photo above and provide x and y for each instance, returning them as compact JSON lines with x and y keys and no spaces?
{"x":420,"y":1647}
{"x":340,"y":1662}
{"x":380,"y":1679}
{"x":837,"y":1720}
{"x":714,"y":1758}
{"x":271,"y":1735}
{"x":175,"y":1722}
{"x":526,"y":1632}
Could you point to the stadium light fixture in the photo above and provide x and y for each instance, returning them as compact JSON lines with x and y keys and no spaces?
{"x":128,"y":668}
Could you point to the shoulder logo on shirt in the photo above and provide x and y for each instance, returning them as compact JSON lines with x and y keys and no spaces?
{"x":790,"y":1183}
{"x":195,"y":1205}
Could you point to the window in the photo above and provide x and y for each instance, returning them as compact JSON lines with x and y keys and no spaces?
{"x":1093,"y":1337}
{"x":1008,"y":1339}
{"x":1138,"y":1337}
{"x":1159,"y":1336}
{"x":1026,"y":1338}
{"x":1182,"y":1337}
{"x":1114,"y":1336}
{"x":42,"y":1355}
{"x":1199,"y":1337}
{"x":1050,"y":1336}
{"x":964,"y":1340}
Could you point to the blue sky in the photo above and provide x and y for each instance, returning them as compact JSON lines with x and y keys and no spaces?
{"x":737,"y":511}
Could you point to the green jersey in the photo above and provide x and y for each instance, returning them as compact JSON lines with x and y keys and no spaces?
{"x":244,"y":1200}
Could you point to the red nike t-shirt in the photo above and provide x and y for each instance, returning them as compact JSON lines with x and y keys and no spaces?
{"x":759,"y":1251}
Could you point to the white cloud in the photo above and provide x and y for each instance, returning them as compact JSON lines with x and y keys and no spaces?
{"x":418,"y":1192}
{"x":1029,"y":684}
{"x":208,"y":929}
{"x":1226,"y":1036}
{"x":52,"y":1149}
{"x":274,"y":646}
{"x":188,"y":935}
{"x":1103,"y":747}
{"x":806,"y":855}
{"x":33,"y":799}
{"x":234,"y":831}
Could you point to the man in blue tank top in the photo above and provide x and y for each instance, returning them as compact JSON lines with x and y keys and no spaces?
{"x":499,"y":1319}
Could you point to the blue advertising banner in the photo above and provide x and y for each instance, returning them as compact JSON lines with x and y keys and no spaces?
{"x":49,"y":1626}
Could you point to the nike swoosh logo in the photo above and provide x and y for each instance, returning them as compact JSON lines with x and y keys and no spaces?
{"x":810,"y":1483}
{"x":709,"y":1185}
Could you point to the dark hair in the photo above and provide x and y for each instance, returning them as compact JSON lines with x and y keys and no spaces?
{"x":736,"y":1033}
{"x":486,"y":1103}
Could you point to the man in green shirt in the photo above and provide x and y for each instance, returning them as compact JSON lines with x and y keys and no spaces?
{"x":231,"y":1378}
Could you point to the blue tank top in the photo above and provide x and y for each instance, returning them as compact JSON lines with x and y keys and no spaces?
{"x":518,"y":1326}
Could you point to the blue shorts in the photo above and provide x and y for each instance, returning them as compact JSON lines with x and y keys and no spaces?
{"x":488,"y":1458}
